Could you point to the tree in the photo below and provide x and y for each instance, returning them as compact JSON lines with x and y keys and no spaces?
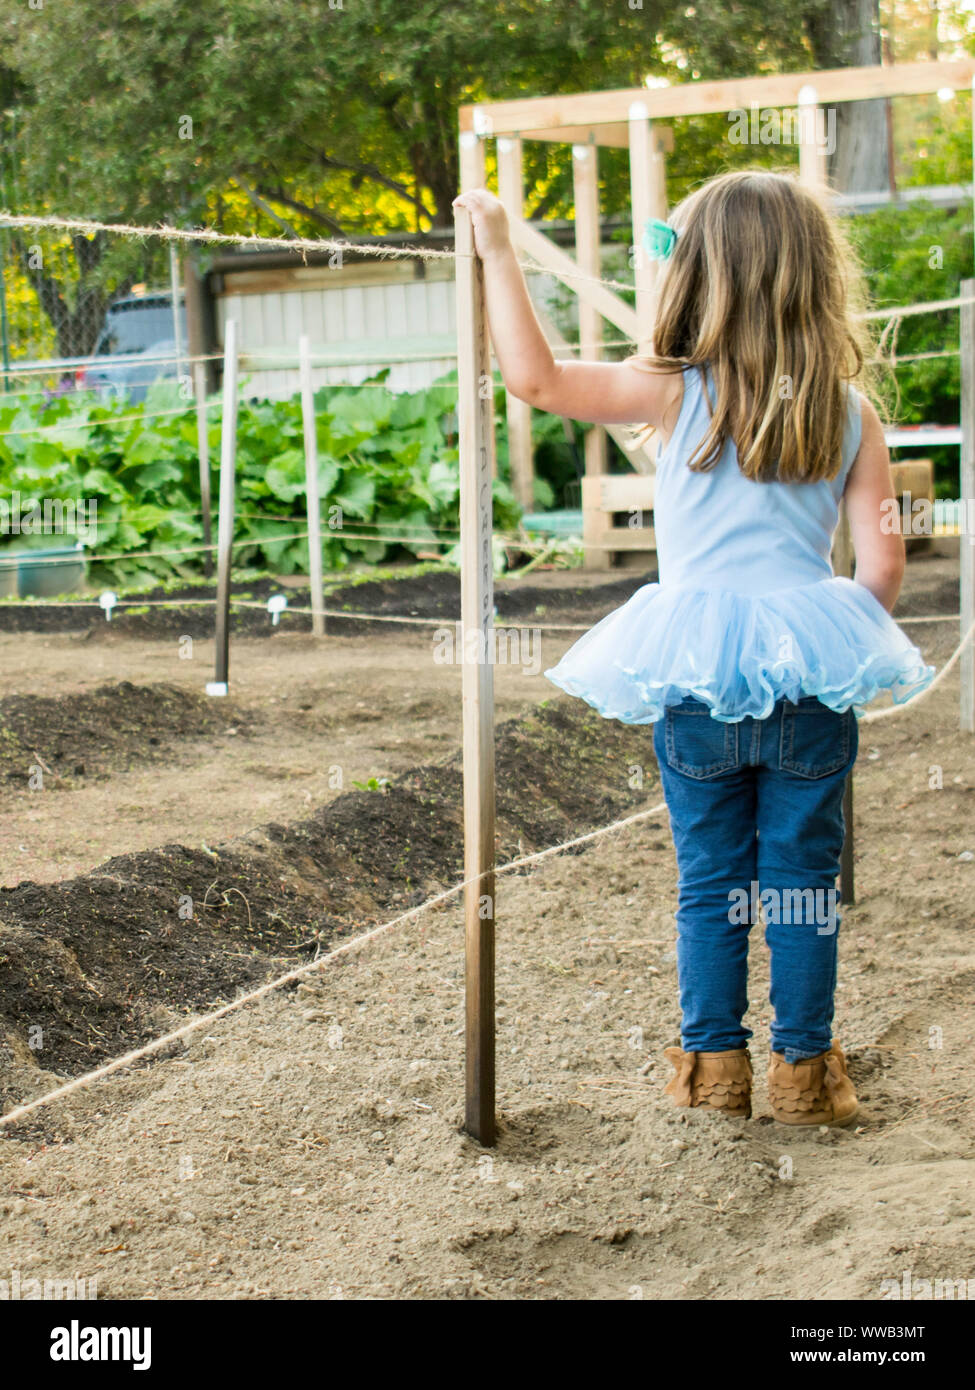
{"x":341,"y":119}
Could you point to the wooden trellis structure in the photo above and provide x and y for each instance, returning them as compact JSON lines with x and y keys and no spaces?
{"x":633,"y":119}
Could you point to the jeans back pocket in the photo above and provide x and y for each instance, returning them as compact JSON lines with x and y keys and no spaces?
{"x":697,"y":745}
{"x":816,"y":740}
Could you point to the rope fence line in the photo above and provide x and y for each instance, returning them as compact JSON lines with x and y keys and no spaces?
{"x":167,"y":233}
{"x":110,"y":421}
{"x":348,"y":614}
{"x":263,"y":361}
{"x":79,"y":364}
{"x":320,"y":244}
{"x":20,"y":1112}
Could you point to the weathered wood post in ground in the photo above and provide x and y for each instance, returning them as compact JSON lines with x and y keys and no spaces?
{"x":475,"y":416}
{"x":966,"y":494}
{"x":203,"y":452}
{"x":314,"y":507}
{"x":225,"y":524}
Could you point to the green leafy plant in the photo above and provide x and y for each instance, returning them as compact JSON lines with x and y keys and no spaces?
{"x":373,"y":784}
{"x":388,"y":477}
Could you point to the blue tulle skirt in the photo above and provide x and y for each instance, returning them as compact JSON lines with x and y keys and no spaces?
{"x":739,"y":653}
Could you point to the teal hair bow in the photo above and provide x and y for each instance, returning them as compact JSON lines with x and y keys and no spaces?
{"x":659,"y":239}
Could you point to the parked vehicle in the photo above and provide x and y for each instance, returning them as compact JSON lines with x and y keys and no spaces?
{"x":135,"y":348}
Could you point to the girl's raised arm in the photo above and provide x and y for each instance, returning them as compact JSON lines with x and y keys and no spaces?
{"x":603,"y":393}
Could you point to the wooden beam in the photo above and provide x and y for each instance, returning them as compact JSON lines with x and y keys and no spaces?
{"x":473,"y":174}
{"x":585,"y":184}
{"x":842,"y":558}
{"x":563,"y":267}
{"x":225,"y":523}
{"x":812,"y":150}
{"x":203,"y":456}
{"x":602,"y":498}
{"x":519,"y":413}
{"x":614,"y":136}
{"x":313,"y":505}
{"x":731,"y":94}
{"x":966,"y":493}
{"x":475,"y":413}
{"x":847,"y":875}
{"x":637,"y":454}
{"x":648,"y":198}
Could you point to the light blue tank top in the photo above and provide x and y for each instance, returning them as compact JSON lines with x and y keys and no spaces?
{"x":719,"y":529}
{"x":747,"y":610}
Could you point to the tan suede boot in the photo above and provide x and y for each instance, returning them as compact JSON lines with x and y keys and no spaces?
{"x":815,"y":1091}
{"x":720,"y":1080}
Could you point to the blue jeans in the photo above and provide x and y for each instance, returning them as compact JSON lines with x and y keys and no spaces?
{"x":756,"y":812}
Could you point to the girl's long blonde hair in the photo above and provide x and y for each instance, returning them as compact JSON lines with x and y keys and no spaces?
{"x":762,"y":287}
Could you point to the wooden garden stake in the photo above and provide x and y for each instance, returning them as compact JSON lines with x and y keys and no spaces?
{"x":966,"y":493}
{"x":311,"y":489}
{"x":203,"y":450}
{"x":225,"y":523}
{"x":475,"y":416}
{"x":843,"y":565}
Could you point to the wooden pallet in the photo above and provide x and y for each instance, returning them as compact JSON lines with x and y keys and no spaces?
{"x":916,"y":477}
{"x":617,"y":525}
{"x":617,"y":513}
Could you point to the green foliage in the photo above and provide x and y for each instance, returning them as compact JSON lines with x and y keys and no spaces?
{"x":373,"y":784}
{"x":917,"y":254}
{"x":384,"y":460}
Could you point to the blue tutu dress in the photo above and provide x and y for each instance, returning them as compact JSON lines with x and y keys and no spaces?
{"x":747,"y":610}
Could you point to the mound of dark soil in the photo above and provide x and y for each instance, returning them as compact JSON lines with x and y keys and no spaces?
{"x":97,"y":964}
{"x":88,"y":734}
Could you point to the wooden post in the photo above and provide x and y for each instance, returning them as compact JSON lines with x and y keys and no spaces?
{"x":311,"y":489}
{"x":473,"y":175}
{"x":966,"y":493}
{"x":203,"y":452}
{"x":585,"y":182}
{"x":842,"y":558}
{"x":475,"y":413}
{"x":847,"y":881}
{"x":174,"y":287}
{"x":648,"y":198}
{"x":812,"y":151}
{"x":519,"y":413}
{"x":225,"y":525}
{"x":200,"y":327}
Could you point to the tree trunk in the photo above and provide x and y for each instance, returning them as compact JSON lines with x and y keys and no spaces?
{"x":844,"y":34}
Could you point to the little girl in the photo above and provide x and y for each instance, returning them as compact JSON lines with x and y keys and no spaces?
{"x":749,"y":657}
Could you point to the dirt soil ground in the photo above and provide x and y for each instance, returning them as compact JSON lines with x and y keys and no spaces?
{"x":311,"y":1146}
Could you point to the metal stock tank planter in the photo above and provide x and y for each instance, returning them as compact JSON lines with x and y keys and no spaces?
{"x":42,"y":573}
